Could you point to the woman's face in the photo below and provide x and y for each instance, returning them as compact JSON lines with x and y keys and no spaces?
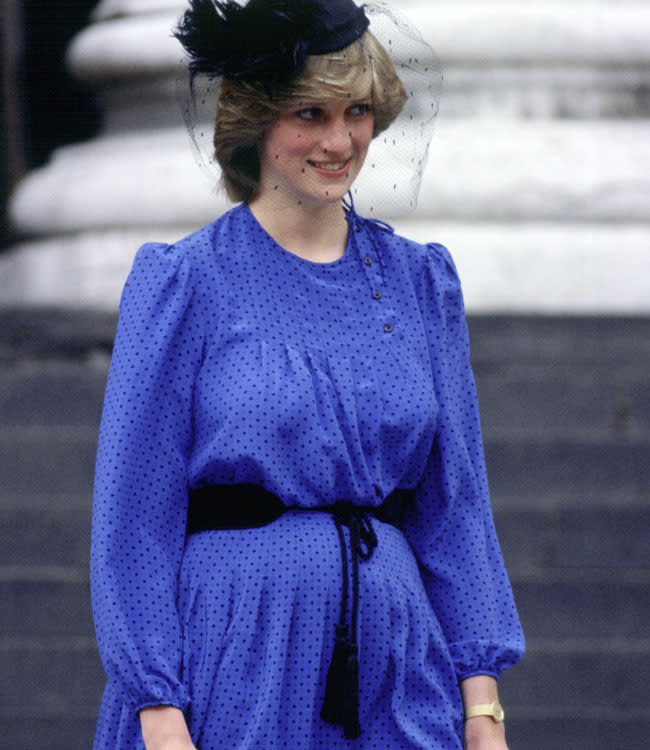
{"x":313,"y":153}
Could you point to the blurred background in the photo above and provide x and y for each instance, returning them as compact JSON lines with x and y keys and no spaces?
{"x":538,"y":181}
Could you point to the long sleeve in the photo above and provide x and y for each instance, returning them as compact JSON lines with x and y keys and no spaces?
{"x":452,"y":529}
{"x":140,"y":498}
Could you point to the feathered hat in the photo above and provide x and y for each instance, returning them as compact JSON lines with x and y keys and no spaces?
{"x":265,"y":41}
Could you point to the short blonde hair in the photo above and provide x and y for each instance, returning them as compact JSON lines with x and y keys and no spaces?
{"x":245,"y":111}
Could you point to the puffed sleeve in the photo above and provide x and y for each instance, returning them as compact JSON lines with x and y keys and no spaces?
{"x":451,"y":527}
{"x":140,"y":495}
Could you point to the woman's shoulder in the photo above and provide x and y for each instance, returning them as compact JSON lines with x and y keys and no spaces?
{"x":203,"y":244}
{"x":182,"y":266}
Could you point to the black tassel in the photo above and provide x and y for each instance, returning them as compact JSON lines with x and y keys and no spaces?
{"x":351,"y":726}
{"x":333,"y":710}
{"x":341,"y":704}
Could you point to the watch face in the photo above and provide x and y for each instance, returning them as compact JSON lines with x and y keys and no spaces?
{"x":497,"y":711}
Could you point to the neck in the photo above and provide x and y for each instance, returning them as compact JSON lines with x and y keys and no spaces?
{"x":317,"y":232}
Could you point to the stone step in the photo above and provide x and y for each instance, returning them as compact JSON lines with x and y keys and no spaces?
{"x":604,"y":538}
{"x":524,"y":472}
{"x":568,"y":733}
{"x":42,"y":537}
{"x":47,"y":459}
{"x":516,"y":399}
{"x":478,"y":31}
{"x":54,"y":733}
{"x":564,"y":538}
{"x":602,"y":605}
{"x":527,"y":398}
{"x":57,"y":394}
{"x":584,"y":341}
{"x":45,"y":601}
{"x":45,"y":678}
{"x":495,"y":168}
{"x":506,"y":267}
{"x":564,"y":399}
{"x":600,"y":690}
{"x":56,"y":601}
{"x":579,"y":677}
{"x":50,"y":677}
{"x":46,"y":501}
{"x":541,"y":60}
{"x":548,"y":734}
{"x":579,"y":733}
{"x":50,"y":335}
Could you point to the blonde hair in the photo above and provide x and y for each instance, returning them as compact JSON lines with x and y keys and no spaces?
{"x":245,"y":111}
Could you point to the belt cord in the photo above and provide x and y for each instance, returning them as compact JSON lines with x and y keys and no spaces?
{"x":341,"y":705}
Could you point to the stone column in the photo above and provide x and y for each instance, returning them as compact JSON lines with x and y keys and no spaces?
{"x":538,"y":177}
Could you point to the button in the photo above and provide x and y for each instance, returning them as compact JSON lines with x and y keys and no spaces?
{"x":377,"y":294}
{"x":367,"y":260}
{"x":388,"y":328}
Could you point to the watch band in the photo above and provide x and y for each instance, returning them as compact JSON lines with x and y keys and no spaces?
{"x":494,"y":710}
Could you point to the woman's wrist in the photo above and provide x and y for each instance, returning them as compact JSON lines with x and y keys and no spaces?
{"x":482,"y":732}
{"x":164,"y":728}
{"x":478,"y":690}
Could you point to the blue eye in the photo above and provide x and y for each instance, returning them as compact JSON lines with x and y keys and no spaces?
{"x":308,"y":113}
{"x":360,"y":109}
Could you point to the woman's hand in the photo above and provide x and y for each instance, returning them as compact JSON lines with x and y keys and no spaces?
{"x":164,"y":728}
{"x":482,"y":732}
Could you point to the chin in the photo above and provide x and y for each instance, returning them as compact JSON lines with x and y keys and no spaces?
{"x":334,"y":193}
{"x":334,"y":196}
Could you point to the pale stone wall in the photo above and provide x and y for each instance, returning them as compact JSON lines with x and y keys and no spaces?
{"x":538,"y":177}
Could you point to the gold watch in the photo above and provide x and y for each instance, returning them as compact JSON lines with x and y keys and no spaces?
{"x":494,"y":710}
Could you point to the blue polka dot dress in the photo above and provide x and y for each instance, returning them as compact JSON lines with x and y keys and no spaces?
{"x":236,"y":361}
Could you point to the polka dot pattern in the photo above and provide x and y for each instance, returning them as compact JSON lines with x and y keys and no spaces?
{"x":237,"y":361}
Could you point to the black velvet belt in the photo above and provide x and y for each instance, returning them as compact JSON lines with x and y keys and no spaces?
{"x":245,"y":506}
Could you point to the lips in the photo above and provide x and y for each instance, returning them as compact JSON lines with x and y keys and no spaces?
{"x":331,"y":167}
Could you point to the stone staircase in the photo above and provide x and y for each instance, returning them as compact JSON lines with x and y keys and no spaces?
{"x":52,"y":373}
{"x":566,"y":413}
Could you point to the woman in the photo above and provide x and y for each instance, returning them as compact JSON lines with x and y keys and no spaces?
{"x":292,"y":543}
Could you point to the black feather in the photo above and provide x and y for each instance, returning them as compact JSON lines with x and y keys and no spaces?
{"x":265,"y":41}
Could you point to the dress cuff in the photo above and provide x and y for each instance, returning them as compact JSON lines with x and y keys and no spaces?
{"x":473,"y":658}
{"x":158,"y":695}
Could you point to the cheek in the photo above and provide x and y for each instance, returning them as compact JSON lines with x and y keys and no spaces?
{"x":364,"y":135}
{"x":281,"y":143}
{"x":289,"y":149}
{"x":299,"y":144}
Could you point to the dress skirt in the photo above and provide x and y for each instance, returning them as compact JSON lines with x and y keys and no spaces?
{"x":259,"y":608}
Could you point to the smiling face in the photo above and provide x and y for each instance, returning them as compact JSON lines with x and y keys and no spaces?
{"x":246,"y":113}
{"x":313,"y":152}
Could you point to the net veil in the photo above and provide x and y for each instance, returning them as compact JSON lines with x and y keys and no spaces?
{"x":389,"y":182}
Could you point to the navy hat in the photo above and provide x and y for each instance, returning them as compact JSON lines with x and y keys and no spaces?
{"x":265,"y":41}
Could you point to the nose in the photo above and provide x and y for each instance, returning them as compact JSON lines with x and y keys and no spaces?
{"x":337,"y":136}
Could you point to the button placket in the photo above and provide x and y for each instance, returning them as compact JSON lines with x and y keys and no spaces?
{"x":372,"y":269}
